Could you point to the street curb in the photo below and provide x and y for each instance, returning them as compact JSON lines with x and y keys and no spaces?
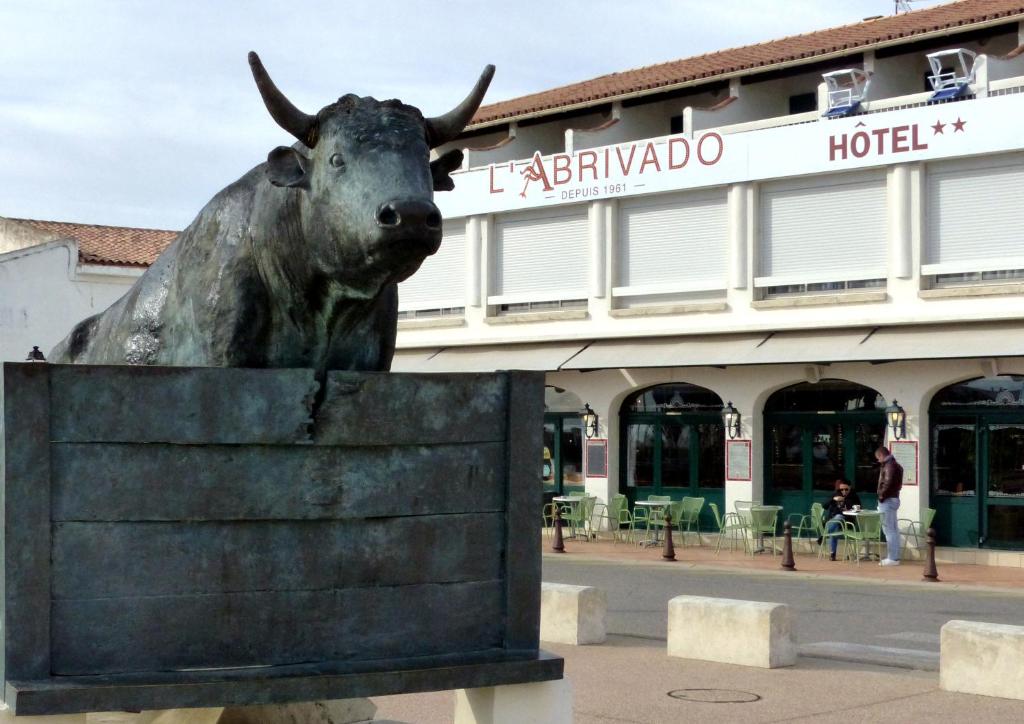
{"x":941,"y":587}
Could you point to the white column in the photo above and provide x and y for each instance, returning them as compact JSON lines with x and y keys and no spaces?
{"x":611,"y":234}
{"x":474,"y":269}
{"x":738,"y":235}
{"x":900,"y":234}
{"x":598,"y":247}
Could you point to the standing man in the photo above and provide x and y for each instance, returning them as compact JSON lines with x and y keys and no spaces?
{"x":890,"y":480}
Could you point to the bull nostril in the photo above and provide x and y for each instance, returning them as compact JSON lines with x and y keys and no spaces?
{"x":434,"y":220}
{"x":387,"y":215}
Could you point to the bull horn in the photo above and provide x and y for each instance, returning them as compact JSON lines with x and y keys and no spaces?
{"x":290,"y":118}
{"x":442,"y":129}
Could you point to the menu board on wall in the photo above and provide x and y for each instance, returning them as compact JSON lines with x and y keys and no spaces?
{"x":597,"y":458}
{"x":905,"y":452}
{"x":737,"y":459}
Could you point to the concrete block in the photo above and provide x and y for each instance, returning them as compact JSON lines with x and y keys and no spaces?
{"x":342,"y":711}
{"x":748,"y":633}
{"x":165,"y":716}
{"x":982,"y":658}
{"x":7,"y":717}
{"x":548,"y":702}
{"x":572,"y":614}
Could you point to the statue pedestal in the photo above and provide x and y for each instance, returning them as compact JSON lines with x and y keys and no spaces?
{"x":546,"y":702}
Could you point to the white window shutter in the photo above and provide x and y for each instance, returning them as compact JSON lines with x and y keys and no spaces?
{"x":823,"y":229}
{"x":441,"y":282}
{"x":540,"y":256}
{"x":973,"y":218}
{"x":673,"y":243}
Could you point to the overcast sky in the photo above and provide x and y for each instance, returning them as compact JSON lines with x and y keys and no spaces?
{"x":134,"y":113}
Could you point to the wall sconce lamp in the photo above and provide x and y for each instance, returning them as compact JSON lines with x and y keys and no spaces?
{"x":896,"y":416}
{"x":589,"y":421}
{"x":731,"y":416}
{"x":35,"y":355}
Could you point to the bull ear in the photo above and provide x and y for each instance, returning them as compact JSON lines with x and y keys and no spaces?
{"x":288,"y":167}
{"x":442,"y":166}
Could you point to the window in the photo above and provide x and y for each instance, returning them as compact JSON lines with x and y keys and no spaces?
{"x":540,"y":260}
{"x":672,"y":244}
{"x":973,"y":222}
{"x":438,"y":289}
{"x":803,"y":103}
{"x":823,"y":236}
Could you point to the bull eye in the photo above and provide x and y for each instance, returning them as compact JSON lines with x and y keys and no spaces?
{"x":337,"y":161}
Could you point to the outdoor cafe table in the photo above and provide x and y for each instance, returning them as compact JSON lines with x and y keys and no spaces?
{"x":572,"y":501}
{"x":651,"y":506}
{"x":855,"y":514}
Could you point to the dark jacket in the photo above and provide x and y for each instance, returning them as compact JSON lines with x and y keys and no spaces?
{"x":890,"y":479}
{"x":834,"y":507}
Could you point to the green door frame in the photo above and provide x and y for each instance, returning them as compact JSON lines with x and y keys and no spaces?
{"x":955,"y":516}
{"x":659,"y":420}
{"x":794,"y":501}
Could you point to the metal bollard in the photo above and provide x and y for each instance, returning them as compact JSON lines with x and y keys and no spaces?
{"x":558,"y":545}
{"x":931,"y":573}
{"x":669,"y":553}
{"x":787,"y":547}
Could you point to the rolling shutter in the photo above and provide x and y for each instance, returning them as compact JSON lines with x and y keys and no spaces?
{"x":826,"y":229}
{"x":973,"y":216}
{"x":673,"y":243}
{"x":441,"y":282}
{"x":540,"y":256}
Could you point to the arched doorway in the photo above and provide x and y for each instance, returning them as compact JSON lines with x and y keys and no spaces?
{"x":816,"y":433}
{"x":672,"y":443}
{"x":977,"y":462}
{"x":562,"y":470}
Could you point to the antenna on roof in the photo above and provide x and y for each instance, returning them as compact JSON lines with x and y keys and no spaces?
{"x":902,"y":6}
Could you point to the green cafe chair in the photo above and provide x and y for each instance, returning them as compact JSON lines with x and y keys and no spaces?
{"x":618,"y":518}
{"x":804,"y":524}
{"x":764,"y":523}
{"x":916,"y":529}
{"x":730,"y":525}
{"x":689,"y":515}
{"x":821,"y":531}
{"x":674,"y":509}
{"x":643,"y":515}
{"x":867,"y":531}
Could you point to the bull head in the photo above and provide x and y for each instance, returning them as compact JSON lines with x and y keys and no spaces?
{"x":439,"y":130}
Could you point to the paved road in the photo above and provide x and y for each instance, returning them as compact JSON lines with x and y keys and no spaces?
{"x":833,"y":618}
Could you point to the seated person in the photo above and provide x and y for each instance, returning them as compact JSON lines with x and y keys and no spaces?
{"x":843,"y":499}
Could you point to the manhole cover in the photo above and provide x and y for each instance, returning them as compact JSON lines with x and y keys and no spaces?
{"x":715,"y":696}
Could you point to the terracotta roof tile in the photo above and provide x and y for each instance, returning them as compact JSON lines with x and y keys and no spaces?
{"x":117,"y":245}
{"x":849,"y":38}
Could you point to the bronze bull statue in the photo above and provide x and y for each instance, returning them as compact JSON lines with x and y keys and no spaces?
{"x":297,"y":263}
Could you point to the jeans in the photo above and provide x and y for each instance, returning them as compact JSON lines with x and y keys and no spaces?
{"x":890,"y":527}
{"x":834,"y":525}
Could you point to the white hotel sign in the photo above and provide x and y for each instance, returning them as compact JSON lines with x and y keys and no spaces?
{"x":985,"y":125}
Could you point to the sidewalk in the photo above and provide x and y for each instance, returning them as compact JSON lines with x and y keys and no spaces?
{"x":952,"y":575}
{"x":629,"y":680}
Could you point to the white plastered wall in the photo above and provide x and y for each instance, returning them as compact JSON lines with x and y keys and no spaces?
{"x":44,"y":292}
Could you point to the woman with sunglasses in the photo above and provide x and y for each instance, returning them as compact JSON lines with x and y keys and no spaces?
{"x":844,"y":498}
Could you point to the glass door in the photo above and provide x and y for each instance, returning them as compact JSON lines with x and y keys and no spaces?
{"x":955,"y":465}
{"x":675,"y":456}
{"x":562,"y":468}
{"x":1004,"y":491}
{"x":807,"y":454}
